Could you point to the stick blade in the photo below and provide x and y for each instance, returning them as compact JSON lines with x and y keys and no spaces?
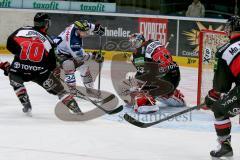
{"x":135,"y":122}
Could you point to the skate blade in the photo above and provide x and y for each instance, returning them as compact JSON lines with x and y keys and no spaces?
{"x":222,"y":158}
{"x":78,"y":113}
{"x":28,"y":114}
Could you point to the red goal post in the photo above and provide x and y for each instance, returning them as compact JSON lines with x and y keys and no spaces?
{"x":209,"y":42}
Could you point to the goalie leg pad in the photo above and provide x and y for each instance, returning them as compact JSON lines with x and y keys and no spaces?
{"x":175,"y":100}
{"x":145,"y":103}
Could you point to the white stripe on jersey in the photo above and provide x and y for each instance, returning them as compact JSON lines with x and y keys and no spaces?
{"x":151,"y":47}
{"x":231,"y":52}
{"x":222,"y":122}
{"x":33,"y":33}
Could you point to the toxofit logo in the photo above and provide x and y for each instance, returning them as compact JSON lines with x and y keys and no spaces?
{"x":41,"y":5}
{"x":93,"y":8}
{"x":5,"y":3}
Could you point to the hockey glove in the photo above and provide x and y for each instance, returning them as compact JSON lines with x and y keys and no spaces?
{"x":5,"y":67}
{"x":99,"y":30}
{"x":56,"y":72}
{"x":212,"y":97}
{"x":97,"y":57}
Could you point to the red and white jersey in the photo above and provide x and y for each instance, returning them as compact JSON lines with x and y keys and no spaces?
{"x":227,"y":68}
{"x":33,"y":50}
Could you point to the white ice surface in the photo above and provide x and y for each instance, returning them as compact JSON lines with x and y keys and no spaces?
{"x":44,"y":137}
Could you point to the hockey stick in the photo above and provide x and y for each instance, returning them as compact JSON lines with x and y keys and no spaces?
{"x":100,"y":64}
{"x":114,"y":111}
{"x":107,"y":99}
{"x":137,"y":123}
{"x":169,"y":40}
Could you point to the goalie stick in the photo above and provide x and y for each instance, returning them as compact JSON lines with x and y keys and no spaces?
{"x":140,"y":124}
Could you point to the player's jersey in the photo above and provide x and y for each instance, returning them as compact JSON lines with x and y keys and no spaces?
{"x":69,"y":43}
{"x":153,"y":51}
{"x":33,"y":52}
{"x":227,"y":67}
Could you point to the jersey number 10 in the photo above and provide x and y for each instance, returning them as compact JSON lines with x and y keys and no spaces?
{"x":32,"y":51}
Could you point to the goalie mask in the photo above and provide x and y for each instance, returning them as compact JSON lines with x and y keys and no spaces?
{"x":232,"y":25}
{"x":136,"y":40}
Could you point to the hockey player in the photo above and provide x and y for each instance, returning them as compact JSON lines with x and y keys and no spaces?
{"x":34,"y":60}
{"x":222,"y":100}
{"x":72,"y":55}
{"x":153,"y":51}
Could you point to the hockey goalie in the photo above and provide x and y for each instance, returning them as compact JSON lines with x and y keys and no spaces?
{"x":155,"y":69}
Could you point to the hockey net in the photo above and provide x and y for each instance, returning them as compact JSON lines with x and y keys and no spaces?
{"x":209,"y":42}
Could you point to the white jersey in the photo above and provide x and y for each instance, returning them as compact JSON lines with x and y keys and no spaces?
{"x":69,"y":43}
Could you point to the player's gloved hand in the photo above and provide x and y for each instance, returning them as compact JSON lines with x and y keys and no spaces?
{"x":99,"y":30}
{"x":212,"y":97}
{"x":97,"y":57}
{"x":56,"y":72}
{"x":5,"y":67}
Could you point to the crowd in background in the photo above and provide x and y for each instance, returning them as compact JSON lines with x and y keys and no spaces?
{"x":191,"y":8}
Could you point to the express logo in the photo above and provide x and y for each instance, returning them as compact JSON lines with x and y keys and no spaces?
{"x":154,"y":28}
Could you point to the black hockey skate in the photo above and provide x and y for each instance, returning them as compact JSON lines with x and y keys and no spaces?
{"x":72,"y":105}
{"x":225,"y":149}
{"x":27,"y":109}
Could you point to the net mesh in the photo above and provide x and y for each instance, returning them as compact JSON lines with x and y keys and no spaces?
{"x":209,"y":43}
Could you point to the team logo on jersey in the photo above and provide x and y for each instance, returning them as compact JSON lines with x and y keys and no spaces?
{"x":26,"y":67}
{"x":139,"y":60}
{"x":16,"y":65}
{"x":48,"y":83}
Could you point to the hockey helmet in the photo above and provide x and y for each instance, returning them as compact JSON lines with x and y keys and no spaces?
{"x":232,"y":25}
{"x":82,"y":25}
{"x":136,"y":40}
{"x":42,"y":20}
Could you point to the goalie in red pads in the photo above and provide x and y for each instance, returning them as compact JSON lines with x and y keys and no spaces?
{"x":152,"y":51}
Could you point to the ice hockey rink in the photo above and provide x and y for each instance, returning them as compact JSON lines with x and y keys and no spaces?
{"x":44,"y":137}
